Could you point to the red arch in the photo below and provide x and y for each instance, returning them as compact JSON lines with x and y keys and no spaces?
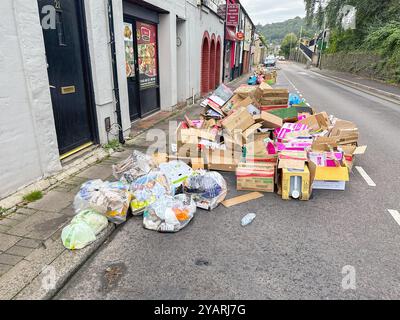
{"x":205,"y":63}
{"x":212,"y":64}
{"x":218,"y":63}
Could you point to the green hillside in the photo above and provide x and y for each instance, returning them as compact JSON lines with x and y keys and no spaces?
{"x":275,"y":32}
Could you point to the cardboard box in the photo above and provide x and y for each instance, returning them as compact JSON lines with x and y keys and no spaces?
{"x":316,"y":122}
{"x":257,"y":152}
{"x":238,"y":120}
{"x":197,"y":163}
{"x":325,"y":176}
{"x":306,"y":183}
{"x":246,"y":91}
{"x":350,"y":153}
{"x":252,"y":176}
{"x":222,"y":160}
{"x":268,"y":120}
{"x":345,"y":132}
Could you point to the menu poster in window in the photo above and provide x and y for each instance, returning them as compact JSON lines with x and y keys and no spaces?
{"x":129,"y":50}
{"x":147,"y":53}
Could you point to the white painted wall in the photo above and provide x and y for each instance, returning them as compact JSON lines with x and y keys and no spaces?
{"x":28,"y":141}
{"x":101,"y":64}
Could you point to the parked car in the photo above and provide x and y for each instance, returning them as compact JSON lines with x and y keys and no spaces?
{"x":270,"y":61}
{"x":281,"y":58}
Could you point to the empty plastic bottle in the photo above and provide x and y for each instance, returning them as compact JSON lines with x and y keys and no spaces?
{"x":247,"y":219}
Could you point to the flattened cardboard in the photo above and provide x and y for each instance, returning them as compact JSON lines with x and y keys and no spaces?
{"x":251,"y":131}
{"x":242,"y":199}
{"x":360,"y":150}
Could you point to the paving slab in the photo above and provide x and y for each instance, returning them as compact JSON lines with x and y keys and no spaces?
{"x":4,"y":269}
{"x":52,"y":201}
{"x":9,"y":259}
{"x":7,"y":241}
{"x":39,"y":226}
{"x":29,"y":243}
{"x":96,"y":172}
{"x":19,"y":251}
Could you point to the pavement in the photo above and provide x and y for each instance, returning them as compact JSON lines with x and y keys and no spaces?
{"x":338,"y":245}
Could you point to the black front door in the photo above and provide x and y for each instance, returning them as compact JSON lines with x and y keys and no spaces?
{"x":68,"y":73}
{"x":141,"y":55}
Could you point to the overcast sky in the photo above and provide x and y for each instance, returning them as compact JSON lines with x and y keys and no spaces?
{"x":268,"y":11}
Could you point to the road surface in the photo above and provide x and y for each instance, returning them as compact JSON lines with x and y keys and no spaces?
{"x":339,"y":245}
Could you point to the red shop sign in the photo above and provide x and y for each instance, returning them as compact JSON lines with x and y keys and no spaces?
{"x":232,"y":14}
{"x":240,"y":36}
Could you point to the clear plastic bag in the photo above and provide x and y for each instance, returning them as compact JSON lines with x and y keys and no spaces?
{"x":95,"y":220}
{"x":77,"y":236}
{"x":147,"y":189}
{"x":208,"y":188}
{"x":135,"y":166}
{"x":169,"y":214}
{"x":108,"y":198}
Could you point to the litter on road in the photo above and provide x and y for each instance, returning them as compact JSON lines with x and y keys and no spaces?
{"x":270,"y":138}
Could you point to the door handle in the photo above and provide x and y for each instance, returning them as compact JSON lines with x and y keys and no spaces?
{"x":52,"y":87}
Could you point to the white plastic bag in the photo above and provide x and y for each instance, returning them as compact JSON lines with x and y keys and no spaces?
{"x":169,"y":214}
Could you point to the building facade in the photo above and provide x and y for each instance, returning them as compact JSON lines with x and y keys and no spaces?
{"x":80,"y":72}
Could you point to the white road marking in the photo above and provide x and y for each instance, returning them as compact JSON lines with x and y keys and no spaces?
{"x":308,"y":105}
{"x":396,"y":215}
{"x":366,"y":177}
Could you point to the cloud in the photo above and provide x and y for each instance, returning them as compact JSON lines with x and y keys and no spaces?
{"x":268,"y":11}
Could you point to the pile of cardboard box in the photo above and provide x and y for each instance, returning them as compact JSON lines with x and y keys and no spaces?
{"x":270,"y":146}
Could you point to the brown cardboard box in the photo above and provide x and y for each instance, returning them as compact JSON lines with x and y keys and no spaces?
{"x":269,"y":120}
{"x":246,"y":91}
{"x":197,"y":163}
{"x":345,"y":132}
{"x":275,"y":93}
{"x":319,"y":121}
{"x":238,"y":120}
{"x":252,"y":176}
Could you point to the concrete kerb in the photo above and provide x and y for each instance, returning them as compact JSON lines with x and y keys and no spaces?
{"x":364,"y":88}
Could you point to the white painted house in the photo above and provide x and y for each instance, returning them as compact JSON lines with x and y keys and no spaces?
{"x":64,"y":81}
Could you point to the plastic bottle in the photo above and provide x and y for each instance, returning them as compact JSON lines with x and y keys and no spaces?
{"x":247,"y":219}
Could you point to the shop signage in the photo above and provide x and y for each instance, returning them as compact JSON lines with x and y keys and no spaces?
{"x":147,"y":53}
{"x":240,"y":36}
{"x":232,"y":14}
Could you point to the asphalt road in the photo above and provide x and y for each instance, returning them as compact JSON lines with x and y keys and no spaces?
{"x":292,"y":250}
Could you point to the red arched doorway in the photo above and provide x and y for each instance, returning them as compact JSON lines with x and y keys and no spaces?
{"x":218,"y":63}
{"x":212,"y":64}
{"x":205,"y":64}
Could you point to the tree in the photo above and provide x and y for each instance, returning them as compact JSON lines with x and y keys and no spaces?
{"x":289,"y":42}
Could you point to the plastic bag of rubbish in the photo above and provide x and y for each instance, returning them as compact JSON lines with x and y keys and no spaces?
{"x":135,"y":166}
{"x":208,"y":188}
{"x":93,"y":219}
{"x":169,"y":214}
{"x":108,"y":198}
{"x":176,"y":172}
{"x":77,"y":235}
{"x":294,"y":99}
{"x":147,"y":189}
